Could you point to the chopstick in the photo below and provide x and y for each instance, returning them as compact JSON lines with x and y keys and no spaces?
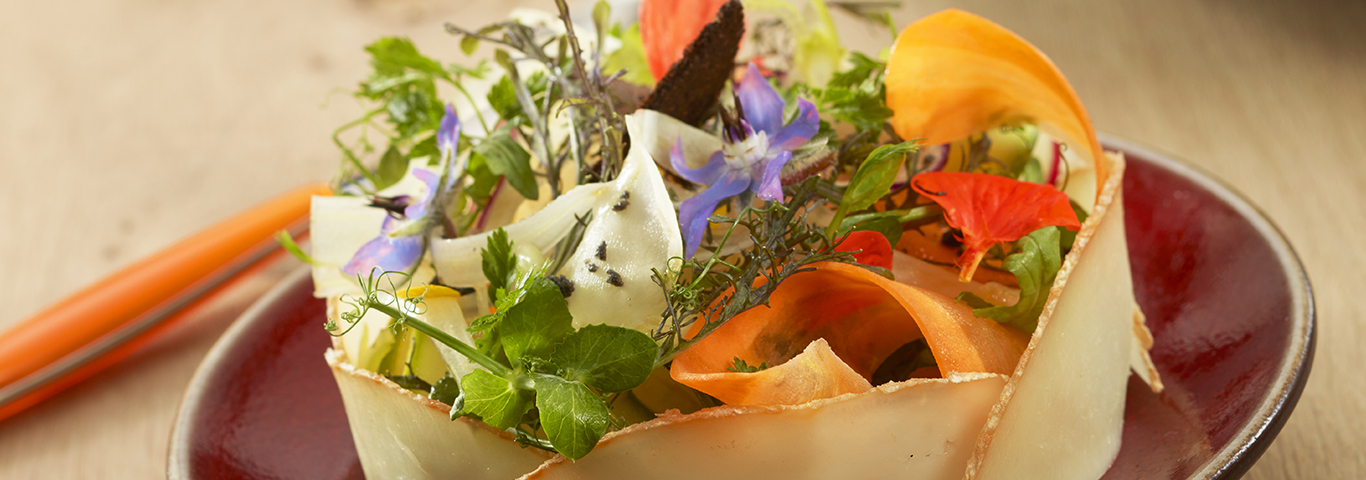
{"x":92,"y":329}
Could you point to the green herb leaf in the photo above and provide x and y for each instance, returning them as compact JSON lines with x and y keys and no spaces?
{"x":602,"y":18}
{"x":630,"y":57}
{"x":574,"y":418}
{"x":507,"y":158}
{"x":445,"y":390}
{"x":1067,"y":237}
{"x":502,"y":97}
{"x":287,"y":242}
{"x":534,"y":325}
{"x":392,"y":54}
{"x":498,"y":261}
{"x":741,"y":366}
{"x":889,"y":227}
{"x":874,"y":178}
{"x":494,"y":399}
{"x":610,"y":359}
{"x":392,"y":167}
{"x":1035,"y":266}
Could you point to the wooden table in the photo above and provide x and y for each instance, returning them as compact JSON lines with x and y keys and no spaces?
{"x":127,"y":124}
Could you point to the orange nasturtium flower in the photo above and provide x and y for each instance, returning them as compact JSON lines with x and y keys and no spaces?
{"x":668,"y":26}
{"x":991,"y":209}
{"x":954,"y":74}
{"x":825,"y":332}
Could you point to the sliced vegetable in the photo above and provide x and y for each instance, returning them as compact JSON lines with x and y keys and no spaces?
{"x":826,"y":332}
{"x":954,"y":74}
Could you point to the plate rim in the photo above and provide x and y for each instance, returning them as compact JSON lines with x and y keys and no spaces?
{"x":1231,"y":461}
{"x":178,"y":461}
{"x":1253,"y":438}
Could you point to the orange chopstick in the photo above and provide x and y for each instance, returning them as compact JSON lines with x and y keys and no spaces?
{"x":86,"y":316}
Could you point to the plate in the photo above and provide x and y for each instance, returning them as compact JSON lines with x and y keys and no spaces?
{"x":1227,"y":300}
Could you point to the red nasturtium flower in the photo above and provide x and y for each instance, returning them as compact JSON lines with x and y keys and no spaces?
{"x":992,"y":209}
{"x":872,"y":247}
{"x":668,"y":26}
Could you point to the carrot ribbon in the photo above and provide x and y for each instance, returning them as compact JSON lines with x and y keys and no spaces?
{"x":954,"y":74}
{"x":826,"y":332}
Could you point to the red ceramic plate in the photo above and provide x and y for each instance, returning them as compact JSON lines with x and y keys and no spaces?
{"x":1227,"y":300}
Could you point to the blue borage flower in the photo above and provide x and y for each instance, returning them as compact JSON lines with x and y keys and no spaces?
{"x":756,"y":146}
{"x":397,"y":249}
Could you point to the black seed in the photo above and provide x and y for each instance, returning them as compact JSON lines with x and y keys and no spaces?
{"x":566,"y":285}
{"x":614,"y":278}
{"x":626,"y":195}
{"x":621,"y":205}
{"x":592,"y":268}
{"x":602,"y":251}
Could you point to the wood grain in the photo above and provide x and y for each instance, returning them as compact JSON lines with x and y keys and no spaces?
{"x":128,"y":124}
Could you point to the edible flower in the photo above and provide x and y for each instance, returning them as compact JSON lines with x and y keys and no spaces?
{"x":398,"y":247}
{"x":668,"y":26}
{"x":991,"y":209}
{"x":755,"y":147}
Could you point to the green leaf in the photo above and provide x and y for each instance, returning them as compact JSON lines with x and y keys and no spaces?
{"x":502,"y":97}
{"x":494,"y":399}
{"x":445,"y":390}
{"x":287,"y":242}
{"x":741,"y":366}
{"x":887,"y":226}
{"x":498,"y":261}
{"x":872,"y":180}
{"x":602,"y":18}
{"x":507,"y":158}
{"x":861,"y":68}
{"x":1033,"y":171}
{"x":630,"y":57}
{"x":574,"y":418}
{"x":1067,"y":237}
{"x":469,"y":44}
{"x":392,"y":54}
{"x":610,"y":359}
{"x":1035,"y":266}
{"x":484,"y":179}
{"x":534,"y":325}
{"x":393,"y":165}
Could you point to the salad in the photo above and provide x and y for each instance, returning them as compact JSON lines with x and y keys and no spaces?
{"x":683,"y":239}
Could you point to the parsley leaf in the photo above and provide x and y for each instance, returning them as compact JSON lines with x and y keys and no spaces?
{"x":498,"y":261}
{"x":1035,"y":266}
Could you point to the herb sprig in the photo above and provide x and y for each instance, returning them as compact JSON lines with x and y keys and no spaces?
{"x":714,"y":290}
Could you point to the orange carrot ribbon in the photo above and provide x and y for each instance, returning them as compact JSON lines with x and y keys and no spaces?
{"x":954,"y":74}
{"x":826,"y":332}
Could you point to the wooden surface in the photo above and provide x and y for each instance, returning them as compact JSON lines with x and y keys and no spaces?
{"x":127,"y":124}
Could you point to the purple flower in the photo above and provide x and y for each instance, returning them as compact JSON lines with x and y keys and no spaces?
{"x":388,"y":252}
{"x":449,"y":132}
{"x":756,"y":145}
